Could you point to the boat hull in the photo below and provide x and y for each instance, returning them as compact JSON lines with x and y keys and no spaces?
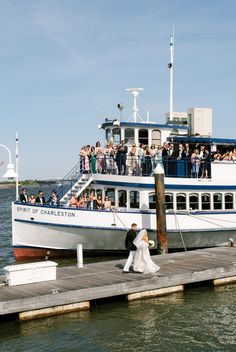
{"x":40,"y":232}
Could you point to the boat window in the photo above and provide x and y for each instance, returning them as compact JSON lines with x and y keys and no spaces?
{"x":143,"y":136}
{"x":152,"y":201}
{"x":122,"y":196}
{"x":134,"y":199}
{"x":129,"y":136}
{"x":116,"y":135}
{"x":229,"y":204}
{"x":169,"y":201}
{"x":110,"y":192}
{"x":156,"y":137}
{"x":108,"y":134}
{"x":193,"y":201}
{"x":181,"y":201}
{"x":217,"y":198}
{"x":206,"y":201}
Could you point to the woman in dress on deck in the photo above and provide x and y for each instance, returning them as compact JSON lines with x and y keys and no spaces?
{"x":73,"y":202}
{"x":153,"y":154}
{"x":142,"y":260}
{"x":107,"y":203}
{"x":132,"y":159}
{"x":100,"y":158}
{"x":110,"y":162}
{"x":195,"y":160}
{"x":99,"y":202}
{"x":93,"y":160}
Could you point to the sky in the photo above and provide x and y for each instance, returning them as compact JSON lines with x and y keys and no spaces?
{"x":65,"y":65}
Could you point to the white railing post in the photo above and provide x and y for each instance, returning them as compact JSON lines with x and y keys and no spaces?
{"x":80,"y":263}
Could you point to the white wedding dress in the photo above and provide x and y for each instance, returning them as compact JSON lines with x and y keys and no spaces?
{"x":142,"y":260}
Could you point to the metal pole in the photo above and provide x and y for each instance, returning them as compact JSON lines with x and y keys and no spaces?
{"x":17,"y":167}
{"x":80,"y":263}
{"x":162,"y":239}
{"x":171,"y":75}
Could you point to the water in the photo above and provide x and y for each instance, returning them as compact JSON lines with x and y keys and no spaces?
{"x":201,"y":319}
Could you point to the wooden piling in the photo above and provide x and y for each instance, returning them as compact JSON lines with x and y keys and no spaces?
{"x":162,"y":239}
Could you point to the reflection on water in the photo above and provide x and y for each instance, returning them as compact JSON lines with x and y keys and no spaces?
{"x":200,"y":320}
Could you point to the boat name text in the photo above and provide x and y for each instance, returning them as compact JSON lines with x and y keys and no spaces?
{"x":54,"y":212}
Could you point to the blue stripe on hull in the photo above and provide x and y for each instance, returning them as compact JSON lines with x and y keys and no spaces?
{"x":117,"y":228}
{"x":183,"y":186}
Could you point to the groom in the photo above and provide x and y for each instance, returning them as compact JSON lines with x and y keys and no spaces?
{"x":130,"y":237}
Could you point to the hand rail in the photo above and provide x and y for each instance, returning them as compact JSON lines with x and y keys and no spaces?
{"x":69,"y":179}
{"x":129,"y":165}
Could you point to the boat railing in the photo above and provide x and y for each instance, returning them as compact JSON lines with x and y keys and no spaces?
{"x":67,"y":182}
{"x":133,"y":166}
{"x":144,"y":166}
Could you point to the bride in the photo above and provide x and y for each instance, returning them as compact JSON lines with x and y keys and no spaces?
{"x":142,"y":261}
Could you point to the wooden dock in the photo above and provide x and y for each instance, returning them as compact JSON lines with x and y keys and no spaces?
{"x":75,"y":288}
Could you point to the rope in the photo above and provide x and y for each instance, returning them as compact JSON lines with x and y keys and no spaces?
{"x":114,"y":213}
{"x":230,"y":221}
{"x":180,"y":232}
{"x":210,"y":222}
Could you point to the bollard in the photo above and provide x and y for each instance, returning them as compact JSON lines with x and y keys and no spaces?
{"x":80,"y":256}
{"x":231,"y":242}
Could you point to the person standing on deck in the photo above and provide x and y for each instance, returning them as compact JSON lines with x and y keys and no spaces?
{"x":23,"y":196}
{"x":130,"y":237}
{"x":54,"y":199}
{"x":121,"y":158}
{"x":40,"y":198}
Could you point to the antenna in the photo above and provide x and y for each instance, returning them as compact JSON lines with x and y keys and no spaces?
{"x":170,"y":65}
{"x":135,"y":92}
{"x":120,"y":107}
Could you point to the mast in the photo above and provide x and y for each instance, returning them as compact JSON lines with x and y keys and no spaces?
{"x":170,"y":65}
{"x":135,"y":93}
{"x":17,"y":167}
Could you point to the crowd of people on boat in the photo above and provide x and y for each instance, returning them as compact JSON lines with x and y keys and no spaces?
{"x":178,"y":159}
{"x":39,"y":199}
{"x":90,"y":201}
{"x":86,"y":201}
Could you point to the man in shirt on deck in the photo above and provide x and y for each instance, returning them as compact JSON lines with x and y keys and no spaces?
{"x":23,"y":196}
{"x":40,"y":198}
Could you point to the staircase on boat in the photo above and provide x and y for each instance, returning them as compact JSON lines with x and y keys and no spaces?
{"x":74,"y":183}
{"x":78,"y":187}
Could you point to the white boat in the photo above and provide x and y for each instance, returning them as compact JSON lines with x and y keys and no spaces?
{"x":200,"y":211}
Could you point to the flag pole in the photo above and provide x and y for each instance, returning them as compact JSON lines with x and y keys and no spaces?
{"x":170,"y":65}
{"x":17,"y":167}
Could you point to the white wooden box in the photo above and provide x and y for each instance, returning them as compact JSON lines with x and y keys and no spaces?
{"x":31,"y":272}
